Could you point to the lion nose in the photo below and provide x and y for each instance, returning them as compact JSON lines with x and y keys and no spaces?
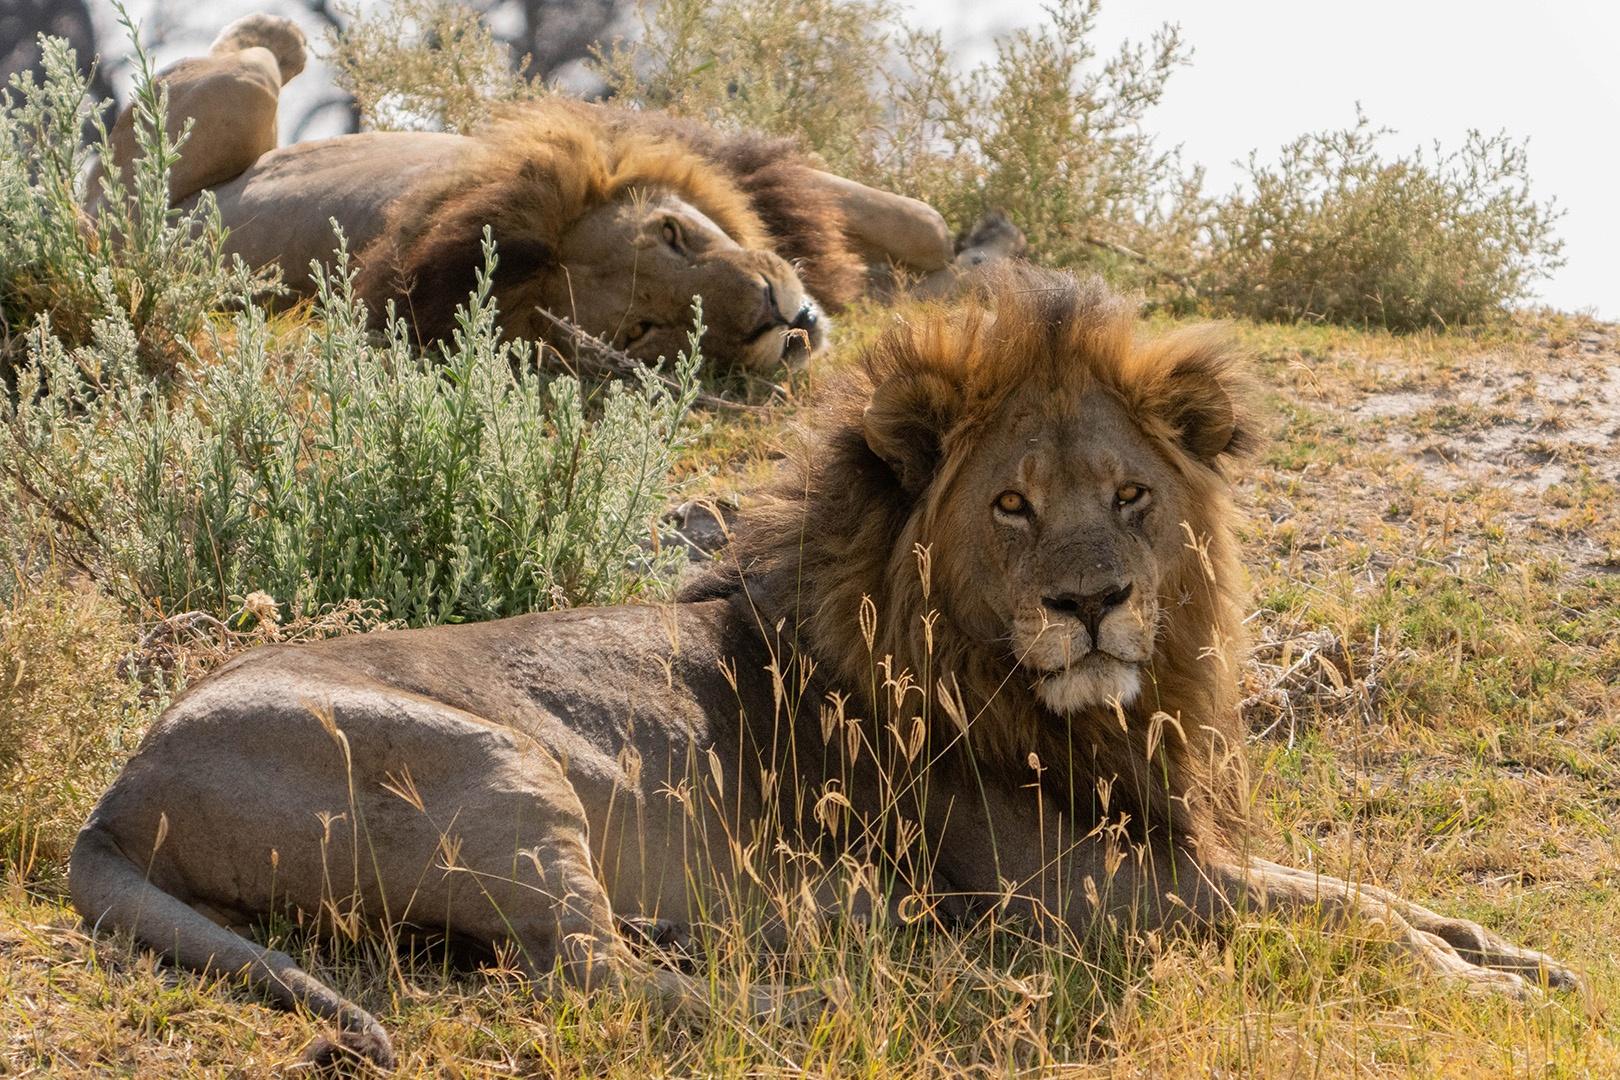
{"x":796,"y":347}
{"x":1089,"y":608}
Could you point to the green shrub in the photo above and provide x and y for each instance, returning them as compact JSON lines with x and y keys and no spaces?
{"x":319,"y":464}
{"x":807,"y":69}
{"x":162,"y":267}
{"x":1337,"y":232}
{"x":1052,"y":134}
{"x":1054,"y":138}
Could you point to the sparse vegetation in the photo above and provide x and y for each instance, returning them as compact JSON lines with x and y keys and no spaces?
{"x":1045,"y":132}
{"x":1048,"y":132}
{"x":1433,"y":536}
{"x":1337,"y":232}
{"x":69,"y":716}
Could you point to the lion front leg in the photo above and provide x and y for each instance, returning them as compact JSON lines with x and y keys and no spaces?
{"x":1453,"y":948}
{"x":886,"y":226}
{"x":1158,"y":886}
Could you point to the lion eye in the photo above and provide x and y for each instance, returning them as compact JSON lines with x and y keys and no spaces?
{"x":637,"y":332}
{"x":1011,"y":502}
{"x":672,"y":236}
{"x":1129,"y":495}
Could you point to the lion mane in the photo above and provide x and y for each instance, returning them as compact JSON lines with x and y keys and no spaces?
{"x":930,"y":387}
{"x":804,"y":221}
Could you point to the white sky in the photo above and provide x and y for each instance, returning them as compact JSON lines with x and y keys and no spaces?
{"x":1266,"y":71}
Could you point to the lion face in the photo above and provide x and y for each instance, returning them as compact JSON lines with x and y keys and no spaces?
{"x":1070,"y":515}
{"x":632,"y":267}
{"x":1063,"y":475}
{"x":613,"y":230}
{"x":625,"y":271}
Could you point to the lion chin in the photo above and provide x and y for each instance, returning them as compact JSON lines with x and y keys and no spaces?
{"x":1088,"y":683}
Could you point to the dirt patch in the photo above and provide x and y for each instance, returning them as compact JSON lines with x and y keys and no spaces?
{"x":1523,"y":430}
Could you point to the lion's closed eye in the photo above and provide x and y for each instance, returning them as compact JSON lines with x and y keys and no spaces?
{"x":674,"y":236}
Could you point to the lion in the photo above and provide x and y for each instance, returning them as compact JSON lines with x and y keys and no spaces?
{"x":1008,"y":533}
{"x":610,"y":218}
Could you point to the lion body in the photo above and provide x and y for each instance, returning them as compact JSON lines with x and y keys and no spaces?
{"x":280,"y":210}
{"x":865,"y":645}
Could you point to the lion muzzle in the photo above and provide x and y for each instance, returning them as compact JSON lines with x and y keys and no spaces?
{"x":1086,"y":649}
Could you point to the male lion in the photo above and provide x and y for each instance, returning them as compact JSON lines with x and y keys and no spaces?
{"x":985,"y":633}
{"x":611,"y":218}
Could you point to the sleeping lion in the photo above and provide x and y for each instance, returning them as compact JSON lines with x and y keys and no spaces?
{"x":611,"y":218}
{"x":984,"y":638}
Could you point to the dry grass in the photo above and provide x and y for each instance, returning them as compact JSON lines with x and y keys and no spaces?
{"x":1433,"y":536}
{"x":67,"y":715}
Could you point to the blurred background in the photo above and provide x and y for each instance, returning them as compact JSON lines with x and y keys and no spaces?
{"x":1259,"y":74}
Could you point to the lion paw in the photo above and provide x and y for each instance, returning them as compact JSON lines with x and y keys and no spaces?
{"x":798,"y":1007}
{"x":351,"y":1052}
{"x":1480,"y":948}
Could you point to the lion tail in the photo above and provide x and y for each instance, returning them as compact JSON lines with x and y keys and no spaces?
{"x":281,"y":36}
{"x":112,"y":893}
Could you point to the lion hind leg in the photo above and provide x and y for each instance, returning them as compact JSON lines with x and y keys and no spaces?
{"x":230,"y":96}
{"x":112,"y":893}
{"x":551,"y":903}
{"x":579,"y":935}
{"x":593,"y":955}
{"x":1454,"y":948}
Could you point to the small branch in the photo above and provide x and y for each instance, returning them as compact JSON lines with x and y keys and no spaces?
{"x":597,"y":357}
{"x":186,"y":622}
{"x":1136,"y":256}
{"x":63,"y":517}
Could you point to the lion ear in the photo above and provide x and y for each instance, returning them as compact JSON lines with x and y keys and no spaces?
{"x":905,"y":423}
{"x":1207,"y":400}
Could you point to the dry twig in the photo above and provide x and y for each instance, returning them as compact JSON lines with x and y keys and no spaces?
{"x":594,"y":356}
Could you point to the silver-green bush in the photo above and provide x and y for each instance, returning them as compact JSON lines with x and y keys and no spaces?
{"x":319,"y":463}
{"x":161,"y":266}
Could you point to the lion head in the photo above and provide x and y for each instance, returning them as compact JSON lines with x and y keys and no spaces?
{"x":610,"y":227}
{"x":1032,"y":513}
